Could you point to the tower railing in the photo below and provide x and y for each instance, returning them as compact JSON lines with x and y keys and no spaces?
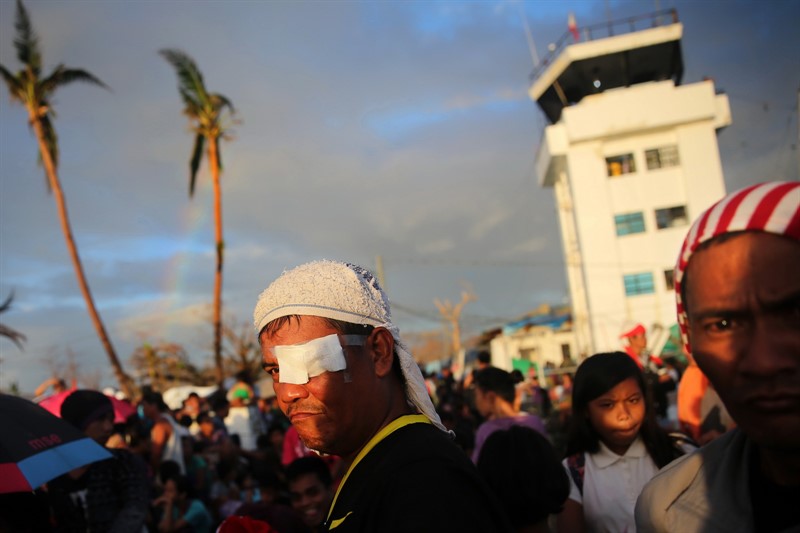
{"x":603,"y":30}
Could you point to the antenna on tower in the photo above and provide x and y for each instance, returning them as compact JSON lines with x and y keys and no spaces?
{"x":528,"y":36}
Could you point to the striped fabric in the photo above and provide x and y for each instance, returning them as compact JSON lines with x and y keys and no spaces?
{"x":772,"y":207}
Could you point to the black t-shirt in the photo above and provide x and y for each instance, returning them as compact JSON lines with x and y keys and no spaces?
{"x":417,"y":479}
{"x":111,"y":495}
{"x":775,"y":507}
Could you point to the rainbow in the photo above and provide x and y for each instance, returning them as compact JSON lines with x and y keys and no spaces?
{"x":196,"y":234}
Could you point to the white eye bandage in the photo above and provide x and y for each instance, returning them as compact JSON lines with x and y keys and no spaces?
{"x":300,"y":362}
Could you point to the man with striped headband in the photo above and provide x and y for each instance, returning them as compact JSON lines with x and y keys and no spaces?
{"x":737,"y":284}
{"x":349,"y":385}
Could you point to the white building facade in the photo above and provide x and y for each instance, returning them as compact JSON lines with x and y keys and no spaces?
{"x":541,"y":345}
{"x":631,"y":166}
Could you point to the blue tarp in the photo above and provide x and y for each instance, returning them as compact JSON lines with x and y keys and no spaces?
{"x":549,"y":320}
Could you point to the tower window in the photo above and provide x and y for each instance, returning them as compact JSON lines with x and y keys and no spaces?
{"x":618,"y":165}
{"x":666,"y":156}
{"x":671,"y":217}
{"x":669,"y":279}
{"x":640,"y":283}
{"x":629,"y":223}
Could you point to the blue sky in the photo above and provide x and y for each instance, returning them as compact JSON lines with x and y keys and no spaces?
{"x":400,"y":129}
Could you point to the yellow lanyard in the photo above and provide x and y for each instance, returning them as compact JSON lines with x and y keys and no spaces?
{"x":387,"y":430}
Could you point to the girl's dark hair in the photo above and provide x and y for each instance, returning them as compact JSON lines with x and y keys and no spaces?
{"x":597,"y":375}
{"x":522,"y":469}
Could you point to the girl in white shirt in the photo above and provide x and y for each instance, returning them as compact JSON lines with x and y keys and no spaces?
{"x":614,"y":445}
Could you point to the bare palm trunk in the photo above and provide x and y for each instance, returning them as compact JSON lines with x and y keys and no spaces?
{"x":213,"y":160}
{"x":52,"y":175}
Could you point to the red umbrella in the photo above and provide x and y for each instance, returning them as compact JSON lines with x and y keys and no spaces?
{"x":122,"y":408}
{"x":36,"y":446}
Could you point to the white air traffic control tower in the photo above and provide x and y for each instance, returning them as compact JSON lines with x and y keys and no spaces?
{"x":633,"y":159}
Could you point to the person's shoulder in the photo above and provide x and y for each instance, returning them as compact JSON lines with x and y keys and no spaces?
{"x":675,"y":480}
{"x":432,"y":435}
{"x":532,"y":421}
{"x":422,"y":465}
{"x":163,"y":421}
{"x":661,"y":492}
{"x":420,"y":444}
{"x":685,"y":467}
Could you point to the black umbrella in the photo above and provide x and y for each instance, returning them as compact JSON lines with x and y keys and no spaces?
{"x":36,"y":446}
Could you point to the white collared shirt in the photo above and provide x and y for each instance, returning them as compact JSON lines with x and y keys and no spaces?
{"x":611,"y":485}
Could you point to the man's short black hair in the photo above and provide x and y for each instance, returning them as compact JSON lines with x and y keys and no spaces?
{"x":497,"y":380}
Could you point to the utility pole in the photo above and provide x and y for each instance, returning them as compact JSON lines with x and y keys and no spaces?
{"x":379,"y":272}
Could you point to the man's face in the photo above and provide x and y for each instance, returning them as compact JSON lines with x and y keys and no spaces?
{"x":330,"y":414}
{"x":483,"y":402}
{"x":310,"y":498}
{"x":743,"y":303}
{"x":193,"y":404}
{"x":207,"y":428}
{"x":100,"y":430}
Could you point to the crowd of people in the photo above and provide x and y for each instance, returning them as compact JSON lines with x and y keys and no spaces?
{"x":358,"y":438}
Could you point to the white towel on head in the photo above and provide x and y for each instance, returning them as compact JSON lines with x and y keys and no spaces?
{"x":346,"y":292}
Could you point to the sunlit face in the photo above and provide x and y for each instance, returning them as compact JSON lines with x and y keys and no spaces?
{"x":618,"y":414}
{"x":330,"y":414}
{"x":743,"y":301}
{"x":638,"y":342}
{"x":207,"y":428}
{"x":100,"y":430}
{"x":192,"y":405}
{"x":310,"y":498}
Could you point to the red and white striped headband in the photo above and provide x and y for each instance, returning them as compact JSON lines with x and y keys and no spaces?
{"x":772,"y":207}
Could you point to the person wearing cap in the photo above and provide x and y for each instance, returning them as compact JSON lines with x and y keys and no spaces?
{"x":737,"y":286}
{"x":110,"y":495}
{"x":347,"y":382}
{"x":657,"y":376}
{"x":635,"y":336}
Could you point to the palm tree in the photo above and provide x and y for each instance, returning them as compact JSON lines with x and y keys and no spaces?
{"x":205,"y":112}
{"x":33,"y":91}
{"x":5,"y":331}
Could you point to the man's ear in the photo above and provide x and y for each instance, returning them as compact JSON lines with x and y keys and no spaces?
{"x":381,"y":345}
{"x":491,"y":396}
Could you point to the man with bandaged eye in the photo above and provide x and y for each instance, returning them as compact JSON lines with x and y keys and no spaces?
{"x":349,"y":385}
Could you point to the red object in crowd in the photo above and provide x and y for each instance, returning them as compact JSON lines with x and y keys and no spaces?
{"x":244,"y":524}
{"x":122,"y":408}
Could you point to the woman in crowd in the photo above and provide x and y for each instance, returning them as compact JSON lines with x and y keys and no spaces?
{"x":614,"y":445}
